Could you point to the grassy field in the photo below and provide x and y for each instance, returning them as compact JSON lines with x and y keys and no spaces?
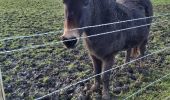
{"x":160,"y":2}
{"x":35,"y":72}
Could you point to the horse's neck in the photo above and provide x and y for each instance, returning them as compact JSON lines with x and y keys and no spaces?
{"x":104,"y":4}
{"x":102,"y":12}
{"x":103,"y":8}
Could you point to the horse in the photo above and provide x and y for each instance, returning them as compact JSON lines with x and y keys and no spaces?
{"x":102,"y":49}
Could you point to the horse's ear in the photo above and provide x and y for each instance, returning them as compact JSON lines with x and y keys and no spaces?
{"x":85,"y":2}
{"x":63,"y":1}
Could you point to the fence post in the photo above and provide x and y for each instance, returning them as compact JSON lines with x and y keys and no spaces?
{"x":2,"y":93}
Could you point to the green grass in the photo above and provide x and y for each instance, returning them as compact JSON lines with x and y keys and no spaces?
{"x":33,"y":73}
{"x":24,"y":17}
{"x":161,"y":2}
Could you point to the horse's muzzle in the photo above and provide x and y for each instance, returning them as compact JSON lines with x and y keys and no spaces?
{"x":69,"y":42}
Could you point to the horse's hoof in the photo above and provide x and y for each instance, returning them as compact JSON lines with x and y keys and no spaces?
{"x":142,"y":64}
{"x":133,"y":77}
{"x":82,"y":96}
{"x":87,"y":87}
{"x":117,"y":90}
{"x":130,"y":70}
{"x":126,"y":88}
{"x":95,"y":87}
{"x":137,"y":84}
{"x":143,"y":71}
{"x":106,"y":96}
{"x":97,"y":96}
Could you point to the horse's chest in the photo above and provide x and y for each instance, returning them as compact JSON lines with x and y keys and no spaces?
{"x":93,"y":48}
{"x":99,"y":49}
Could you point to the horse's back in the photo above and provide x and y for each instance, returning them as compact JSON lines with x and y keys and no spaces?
{"x":139,"y":8}
{"x":134,"y":9}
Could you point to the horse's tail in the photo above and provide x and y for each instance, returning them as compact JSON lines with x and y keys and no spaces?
{"x":135,"y":52}
{"x":148,"y":7}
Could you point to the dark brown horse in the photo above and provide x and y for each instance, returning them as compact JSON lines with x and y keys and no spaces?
{"x":102,"y":49}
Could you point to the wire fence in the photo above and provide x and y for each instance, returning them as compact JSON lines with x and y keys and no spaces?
{"x":89,"y":78}
{"x":100,"y":34}
{"x":167,"y":98}
{"x":86,"y":27}
{"x":144,"y":88}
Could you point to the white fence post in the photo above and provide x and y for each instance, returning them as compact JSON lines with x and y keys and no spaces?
{"x":2,"y":93}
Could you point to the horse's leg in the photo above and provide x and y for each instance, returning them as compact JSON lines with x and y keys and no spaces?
{"x":127,"y":59}
{"x":107,"y":64}
{"x":128,"y":53}
{"x":140,"y":61}
{"x":142,"y":53}
{"x":97,"y":66}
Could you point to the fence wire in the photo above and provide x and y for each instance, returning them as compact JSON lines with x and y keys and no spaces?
{"x":22,"y":37}
{"x":144,"y":88}
{"x":167,"y":98}
{"x":74,"y":84}
{"x":89,"y":78}
{"x":95,"y":35}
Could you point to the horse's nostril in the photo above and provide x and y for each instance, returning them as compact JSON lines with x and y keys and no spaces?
{"x":63,"y":38}
{"x":69,"y":42}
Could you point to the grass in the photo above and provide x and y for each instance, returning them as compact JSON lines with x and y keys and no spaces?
{"x":36,"y":72}
{"x":161,"y":2}
{"x":33,"y":16}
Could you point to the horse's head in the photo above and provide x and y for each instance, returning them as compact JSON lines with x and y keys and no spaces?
{"x":73,"y":10}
